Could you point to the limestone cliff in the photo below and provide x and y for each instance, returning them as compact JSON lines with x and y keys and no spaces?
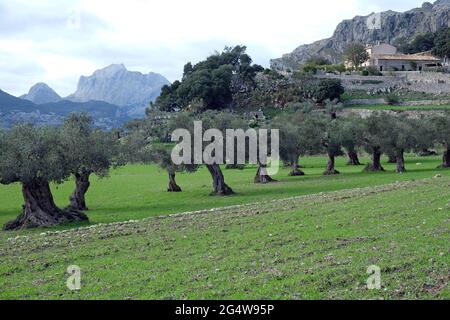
{"x":388,"y":27}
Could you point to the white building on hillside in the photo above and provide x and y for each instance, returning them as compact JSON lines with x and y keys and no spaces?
{"x":386,"y":57}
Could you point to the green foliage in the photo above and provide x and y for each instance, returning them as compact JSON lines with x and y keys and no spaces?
{"x":168,"y":100}
{"x":441,"y":126}
{"x":352,"y":132}
{"x":211,"y":119}
{"x":322,"y":90}
{"x":312,"y":65}
{"x":210,"y":81}
{"x":336,"y":68}
{"x":442,"y":43}
{"x":309,"y":68}
{"x":421,"y":43}
{"x":318,"y":61}
{"x":88,"y":150}
{"x":438,"y":43}
{"x":300,"y":134}
{"x":29,"y":153}
{"x":356,"y":54}
{"x":402,"y":134}
{"x":392,"y":99}
{"x":333,"y":137}
{"x":160,"y":154}
{"x":376,"y":131}
{"x":273,"y":74}
{"x":371,"y":71}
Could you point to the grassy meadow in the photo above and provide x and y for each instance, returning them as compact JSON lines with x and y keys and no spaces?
{"x":139,"y":191}
{"x":309,"y":237}
{"x":312,"y":247}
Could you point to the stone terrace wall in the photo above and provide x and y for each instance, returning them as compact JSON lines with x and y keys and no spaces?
{"x":369,"y":83}
{"x":414,"y":114}
{"x":354,"y":102}
{"x":428,"y":82}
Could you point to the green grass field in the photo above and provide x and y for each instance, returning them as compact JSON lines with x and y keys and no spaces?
{"x":313,"y":247}
{"x":316,"y":245}
{"x":139,"y":191}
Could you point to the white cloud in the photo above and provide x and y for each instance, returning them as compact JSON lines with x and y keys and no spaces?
{"x":62,"y":40}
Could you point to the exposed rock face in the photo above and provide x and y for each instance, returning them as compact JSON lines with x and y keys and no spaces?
{"x":394,"y":26}
{"x":41,"y":93}
{"x":116,"y":85}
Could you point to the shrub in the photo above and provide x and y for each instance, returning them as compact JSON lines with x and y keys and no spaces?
{"x":392,"y":99}
{"x":373,"y":71}
{"x":326,"y":89}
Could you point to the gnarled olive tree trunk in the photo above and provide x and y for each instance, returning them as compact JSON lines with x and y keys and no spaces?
{"x":173,"y":186}
{"x":219,"y":185}
{"x":376,"y":161}
{"x":331,"y":169}
{"x":353,"y":159}
{"x":400,"y":160}
{"x":78,"y":199}
{"x":296,"y":172}
{"x":39,"y":209}
{"x":446,"y":159}
{"x":262,"y":176}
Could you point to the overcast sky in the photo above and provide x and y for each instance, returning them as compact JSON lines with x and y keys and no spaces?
{"x":57,"y":41}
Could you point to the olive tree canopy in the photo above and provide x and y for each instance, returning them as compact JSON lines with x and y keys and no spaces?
{"x":35,"y":157}
{"x":88,"y":151}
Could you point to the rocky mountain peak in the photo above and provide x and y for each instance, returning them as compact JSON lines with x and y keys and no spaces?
{"x":41,"y":93}
{"x":116,"y":85}
{"x":111,"y":70}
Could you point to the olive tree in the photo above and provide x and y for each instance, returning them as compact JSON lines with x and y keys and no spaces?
{"x":356,"y":54}
{"x":262,"y":175}
{"x":88,"y":151}
{"x":209,"y":120}
{"x":401,"y":139}
{"x":441,"y":125}
{"x":35,"y":157}
{"x":161,"y":155}
{"x":146,"y":142}
{"x":300,"y":134}
{"x":425,"y":136}
{"x":376,"y":130}
{"x":352,"y":138}
{"x":332,"y":142}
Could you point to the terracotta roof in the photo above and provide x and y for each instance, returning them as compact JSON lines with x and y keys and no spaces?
{"x":406,"y":57}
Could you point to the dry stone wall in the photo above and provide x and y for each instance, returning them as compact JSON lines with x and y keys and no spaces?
{"x":428,"y":82}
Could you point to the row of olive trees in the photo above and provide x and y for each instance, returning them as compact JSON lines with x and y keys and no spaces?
{"x":306,"y":133}
{"x":37,"y":156}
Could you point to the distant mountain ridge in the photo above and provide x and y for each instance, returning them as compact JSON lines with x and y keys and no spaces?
{"x":116,"y":85}
{"x":112,"y":96}
{"x":394,"y":25}
{"x":41,"y":93}
{"x":15,"y":110}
